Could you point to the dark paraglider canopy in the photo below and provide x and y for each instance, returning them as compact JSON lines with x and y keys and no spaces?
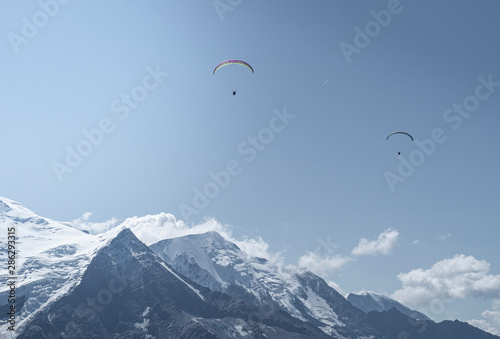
{"x":399,"y":132}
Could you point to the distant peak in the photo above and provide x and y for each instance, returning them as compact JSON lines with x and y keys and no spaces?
{"x":123,"y":237}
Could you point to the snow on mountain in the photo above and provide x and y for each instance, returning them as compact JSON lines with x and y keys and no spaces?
{"x":213,"y":262}
{"x":129,"y":292}
{"x":368,"y":301}
{"x":51,"y":258}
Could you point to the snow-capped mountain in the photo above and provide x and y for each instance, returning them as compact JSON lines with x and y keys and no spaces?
{"x":370,"y":301}
{"x":75,"y":285}
{"x":210,"y":260}
{"x":51,"y":258}
{"x":213,"y":262}
{"x":129,"y":292}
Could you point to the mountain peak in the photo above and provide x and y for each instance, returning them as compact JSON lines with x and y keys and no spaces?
{"x":125,"y":233}
{"x":12,"y":210}
{"x":368,"y":301}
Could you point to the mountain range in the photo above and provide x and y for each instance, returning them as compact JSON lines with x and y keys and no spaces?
{"x":71,"y":284}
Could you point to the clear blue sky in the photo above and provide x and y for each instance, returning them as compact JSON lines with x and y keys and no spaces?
{"x":321,"y":177}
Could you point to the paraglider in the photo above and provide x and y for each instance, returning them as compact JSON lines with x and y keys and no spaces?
{"x":233,"y":72}
{"x":399,"y":132}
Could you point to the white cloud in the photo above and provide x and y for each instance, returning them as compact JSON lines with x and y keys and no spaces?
{"x":491,"y":319}
{"x":458,"y":277}
{"x":153,"y":228}
{"x":82,"y":223}
{"x":382,"y":245}
{"x":324,"y":265}
{"x":253,"y":247}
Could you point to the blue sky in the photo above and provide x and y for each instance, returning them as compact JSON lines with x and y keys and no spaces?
{"x":322,"y":179}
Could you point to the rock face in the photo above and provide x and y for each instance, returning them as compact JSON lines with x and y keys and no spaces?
{"x":128,"y":292}
{"x":370,"y":301}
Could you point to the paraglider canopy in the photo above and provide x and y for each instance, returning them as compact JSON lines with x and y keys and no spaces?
{"x":232,"y":62}
{"x":399,"y":132}
{"x":233,"y":72}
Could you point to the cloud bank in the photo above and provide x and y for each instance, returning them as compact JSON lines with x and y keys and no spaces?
{"x":458,"y":277}
{"x":153,"y":228}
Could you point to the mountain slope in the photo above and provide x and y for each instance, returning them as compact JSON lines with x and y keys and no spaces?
{"x":394,"y":324}
{"x":128,"y":292}
{"x":213,"y":262}
{"x":371,"y":301}
{"x":50,"y":259}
